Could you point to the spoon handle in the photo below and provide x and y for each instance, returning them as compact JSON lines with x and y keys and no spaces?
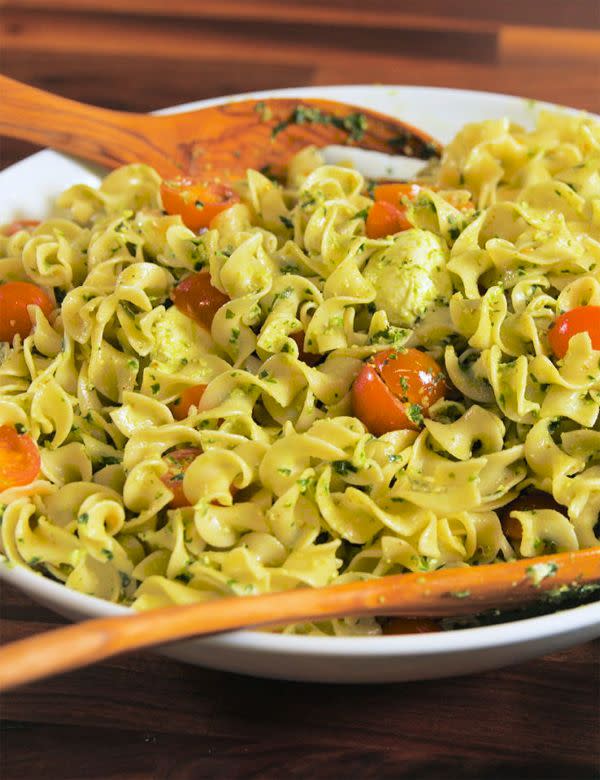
{"x":447,"y":592}
{"x":110,"y":138}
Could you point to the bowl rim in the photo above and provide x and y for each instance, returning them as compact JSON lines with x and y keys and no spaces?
{"x":42,"y":588}
{"x":514,"y":632}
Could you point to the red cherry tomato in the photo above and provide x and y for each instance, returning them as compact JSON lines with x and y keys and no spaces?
{"x":177,"y":463}
{"x":402,"y":625}
{"x":19,"y":458}
{"x":374,"y":404}
{"x":535,"y":499}
{"x":19,"y":224}
{"x":196,"y":297}
{"x":385,"y":219}
{"x":191,"y":396}
{"x":579,"y":320}
{"x":394,"y":390}
{"x":310,"y":358}
{"x":15,"y":297}
{"x":198,"y":204}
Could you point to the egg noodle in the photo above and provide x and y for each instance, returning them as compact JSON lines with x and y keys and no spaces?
{"x":505,"y":239}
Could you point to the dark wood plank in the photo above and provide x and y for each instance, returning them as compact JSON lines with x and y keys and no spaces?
{"x":422,"y":13}
{"x":503,"y":721}
{"x":108,"y":754}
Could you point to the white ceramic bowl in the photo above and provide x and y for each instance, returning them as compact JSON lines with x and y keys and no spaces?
{"x":27,"y":188}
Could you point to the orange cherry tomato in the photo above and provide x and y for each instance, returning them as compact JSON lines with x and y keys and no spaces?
{"x":15,"y":297}
{"x":19,"y":224}
{"x":191,"y":396}
{"x":177,"y":463}
{"x":579,"y":320}
{"x":310,"y":358}
{"x":197,"y":204}
{"x":385,"y":219}
{"x":196,"y":297}
{"x":535,"y":499}
{"x":457,"y":202}
{"x":402,"y":625}
{"x":392,"y":192}
{"x":19,"y":458}
{"x":394,"y":390}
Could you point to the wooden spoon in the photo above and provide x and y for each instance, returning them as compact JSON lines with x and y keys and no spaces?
{"x":447,"y":592}
{"x":221,"y":140}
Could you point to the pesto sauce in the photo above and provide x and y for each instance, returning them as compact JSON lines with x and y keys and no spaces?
{"x":354,"y":124}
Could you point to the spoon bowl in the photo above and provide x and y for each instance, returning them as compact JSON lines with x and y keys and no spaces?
{"x":215,"y":141}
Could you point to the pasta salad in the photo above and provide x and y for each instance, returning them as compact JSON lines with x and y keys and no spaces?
{"x":216,"y":388}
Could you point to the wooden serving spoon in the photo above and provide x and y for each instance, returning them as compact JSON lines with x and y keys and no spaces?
{"x":222,"y":140}
{"x":443,"y":593}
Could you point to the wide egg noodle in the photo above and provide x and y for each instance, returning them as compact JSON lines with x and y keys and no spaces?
{"x":506,"y":238}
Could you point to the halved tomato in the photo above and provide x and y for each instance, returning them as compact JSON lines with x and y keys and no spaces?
{"x":534,"y":499}
{"x":385,"y":219}
{"x":310,"y":358}
{"x":402,"y":625}
{"x":19,"y":224}
{"x":395,"y":389}
{"x":197,"y":204}
{"x":15,"y":297}
{"x":198,"y":299}
{"x":177,"y":463}
{"x":191,"y":396}
{"x":582,"y":319}
{"x":19,"y":458}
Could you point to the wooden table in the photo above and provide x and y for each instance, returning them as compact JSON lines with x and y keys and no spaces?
{"x":146,"y":717}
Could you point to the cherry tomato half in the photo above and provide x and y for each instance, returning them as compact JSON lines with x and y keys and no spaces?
{"x":191,"y":396}
{"x":177,"y":463}
{"x":196,"y":297}
{"x":310,"y":358}
{"x":396,"y":192}
{"x":19,"y":458}
{"x":196,"y":203}
{"x":15,"y":297}
{"x":19,"y":224}
{"x":534,"y":499}
{"x":385,"y":219}
{"x":402,"y":625}
{"x":388,"y":215}
{"x":393,"y":192}
{"x":579,"y":320}
{"x":394,"y":390}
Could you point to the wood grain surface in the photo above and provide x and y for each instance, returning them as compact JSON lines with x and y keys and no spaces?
{"x":143,"y":716}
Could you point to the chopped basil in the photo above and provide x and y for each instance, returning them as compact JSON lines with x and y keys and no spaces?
{"x":354,"y":124}
{"x":415,"y":413}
